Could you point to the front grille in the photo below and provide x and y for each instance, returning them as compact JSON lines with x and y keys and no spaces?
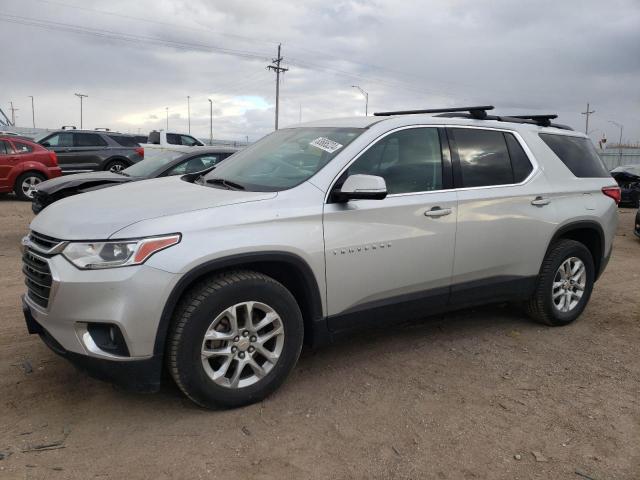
{"x":37,"y":278}
{"x":43,"y":241}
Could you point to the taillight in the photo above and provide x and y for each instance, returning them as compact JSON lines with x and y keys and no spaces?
{"x":140,"y":151}
{"x":612,"y":192}
{"x":54,"y":158}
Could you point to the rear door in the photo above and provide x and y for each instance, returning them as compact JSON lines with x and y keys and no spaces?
{"x":390,"y":259}
{"x":505,"y":215}
{"x":88,"y":150}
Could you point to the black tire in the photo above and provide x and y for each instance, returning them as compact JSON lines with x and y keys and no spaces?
{"x":196,"y":312}
{"x":25,"y":177}
{"x":541,"y":307}
{"x":116,"y":165}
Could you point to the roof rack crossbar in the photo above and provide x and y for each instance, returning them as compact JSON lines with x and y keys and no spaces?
{"x":479,"y":112}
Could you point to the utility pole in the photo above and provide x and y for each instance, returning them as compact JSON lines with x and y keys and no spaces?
{"x":80,"y":96}
{"x":210,"y":121}
{"x":587,"y":113}
{"x":13,"y":114}
{"x":33,"y":112}
{"x":621,"y":127}
{"x":189,"y":112}
{"x":167,"y":109}
{"x":278,"y":69}
{"x":366,"y":99}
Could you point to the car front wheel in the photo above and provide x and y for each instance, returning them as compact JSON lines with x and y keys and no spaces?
{"x":564,"y":284}
{"x":234,"y":339}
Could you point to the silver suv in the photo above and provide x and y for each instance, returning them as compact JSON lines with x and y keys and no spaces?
{"x":311,"y":232}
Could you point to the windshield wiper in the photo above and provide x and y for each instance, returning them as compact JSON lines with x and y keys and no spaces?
{"x":226,"y":183}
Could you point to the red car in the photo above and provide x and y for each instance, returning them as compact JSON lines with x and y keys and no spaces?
{"x":23,"y":165}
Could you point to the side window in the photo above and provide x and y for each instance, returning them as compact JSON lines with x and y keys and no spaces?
{"x":409,"y":161}
{"x":5,"y":148}
{"x":189,"y":141}
{"x":88,"y":140}
{"x":173,"y":139}
{"x":60,"y":140}
{"x":193,"y":165}
{"x":22,"y":147}
{"x":519,"y":161}
{"x":577,"y":153}
{"x":484,"y":158}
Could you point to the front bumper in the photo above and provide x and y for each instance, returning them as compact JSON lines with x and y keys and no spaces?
{"x":135,"y":375}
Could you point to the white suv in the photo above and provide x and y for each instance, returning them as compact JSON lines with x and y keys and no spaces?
{"x":312,"y":231}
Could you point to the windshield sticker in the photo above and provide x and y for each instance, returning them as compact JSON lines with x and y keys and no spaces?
{"x":326,"y":144}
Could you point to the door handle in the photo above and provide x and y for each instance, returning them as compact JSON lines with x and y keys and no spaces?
{"x":540,"y":201}
{"x":437,"y":212}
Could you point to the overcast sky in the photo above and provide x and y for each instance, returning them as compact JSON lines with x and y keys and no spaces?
{"x":134,"y":59}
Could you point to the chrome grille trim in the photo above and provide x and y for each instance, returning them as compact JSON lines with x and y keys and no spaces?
{"x":38,"y":278}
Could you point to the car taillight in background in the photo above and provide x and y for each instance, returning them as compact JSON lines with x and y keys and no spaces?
{"x":54,"y":158}
{"x":612,"y":192}
{"x":140,"y":151}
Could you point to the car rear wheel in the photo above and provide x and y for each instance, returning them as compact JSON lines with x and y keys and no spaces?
{"x":564,"y":284}
{"x":26,"y":185}
{"x":116,"y":166}
{"x":234,"y":339}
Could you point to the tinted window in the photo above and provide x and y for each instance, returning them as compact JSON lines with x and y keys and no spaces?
{"x":408,"y":160}
{"x":124,"y":140}
{"x":484,"y":159}
{"x":60,"y":140}
{"x":173,"y":139}
{"x":22,"y":147}
{"x":88,"y":140}
{"x":577,"y":153}
{"x":196,"y":164}
{"x":519,"y":161}
{"x":5,"y":148}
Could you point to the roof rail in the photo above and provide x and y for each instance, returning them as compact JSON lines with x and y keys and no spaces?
{"x":475,"y":112}
{"x":68,"y":127}
{"x":540,"y":120}
{"x":102,"y":129}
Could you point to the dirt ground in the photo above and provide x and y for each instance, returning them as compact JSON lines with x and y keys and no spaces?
{"x":479,"y":394}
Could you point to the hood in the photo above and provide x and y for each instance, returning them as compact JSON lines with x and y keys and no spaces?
{"x":622,"y":176}
{"x":99,"y":214}
{"x":81,"y":180}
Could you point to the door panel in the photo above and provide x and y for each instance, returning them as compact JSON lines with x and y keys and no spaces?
{"x":7,"y":163}
{"x":388,"y":250}
{"x":62,"y":144}
{"x":87,"y":150}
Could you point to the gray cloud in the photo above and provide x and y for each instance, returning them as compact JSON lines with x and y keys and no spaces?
{"x":538,"y":56}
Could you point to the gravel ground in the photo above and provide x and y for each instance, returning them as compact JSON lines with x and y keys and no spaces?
{"x":479,"y":394}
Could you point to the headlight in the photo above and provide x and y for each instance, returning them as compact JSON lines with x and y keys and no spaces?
{"x":118,"y":253}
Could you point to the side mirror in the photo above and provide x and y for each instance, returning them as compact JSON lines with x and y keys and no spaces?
{"x":45,"y":144}
{"x":361,"y":187}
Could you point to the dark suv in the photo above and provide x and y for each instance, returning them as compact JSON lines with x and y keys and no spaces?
{"x":86,"y":150}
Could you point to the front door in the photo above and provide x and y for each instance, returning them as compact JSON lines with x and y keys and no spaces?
{"x":62,"y":144}
{"x":7,"y":163}
{"x":392,"y":259}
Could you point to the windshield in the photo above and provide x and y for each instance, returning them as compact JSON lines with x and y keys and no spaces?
{"x":283,"y":159}
{"x":153,"y":159}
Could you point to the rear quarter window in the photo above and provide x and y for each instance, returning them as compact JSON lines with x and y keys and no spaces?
{"x":577,"y":153}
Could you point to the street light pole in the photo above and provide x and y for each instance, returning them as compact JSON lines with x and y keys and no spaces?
{"x":210,"y":121}
{"x":167,"y":109}
{"x":33,"y":114}
{"x":80,"y":96}
{"x":621,"y":127}
{"x":189,"y":112}
{"x":366,"y":99}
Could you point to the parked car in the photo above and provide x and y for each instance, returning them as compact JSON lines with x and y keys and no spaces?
{"x":628,"y":177}
{"x":88,"y":150}
{"x":157,"y":163}
{"x":23,"y":165}
{"x":314,"y":231}
{"x":172,"y":140}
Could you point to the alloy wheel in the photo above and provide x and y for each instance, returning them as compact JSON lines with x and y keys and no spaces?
{"x":29,"y":185}
{"x":569,"y":284}
{"x":242,"y":344}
